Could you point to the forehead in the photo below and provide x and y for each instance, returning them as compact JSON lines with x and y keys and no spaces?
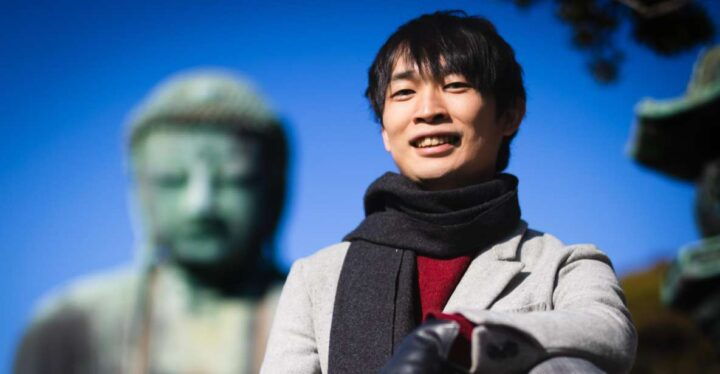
{"x":173,"y":145}
{"x":405,"y":67}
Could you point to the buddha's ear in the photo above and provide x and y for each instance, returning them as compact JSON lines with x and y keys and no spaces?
{"x":511,"y":120}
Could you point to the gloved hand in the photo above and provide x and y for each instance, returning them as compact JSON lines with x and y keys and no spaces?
{"x":566,"y":365}
{"x":425,"y":350}
{"x":502,"y":349}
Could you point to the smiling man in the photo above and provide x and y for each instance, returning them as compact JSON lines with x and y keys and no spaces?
{"x":442,"y":275}
{"x":440,"y":132}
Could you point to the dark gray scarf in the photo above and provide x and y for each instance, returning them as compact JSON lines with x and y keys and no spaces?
{"x":375,"y":303}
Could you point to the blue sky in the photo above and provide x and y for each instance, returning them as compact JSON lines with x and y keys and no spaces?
{"x":71,"y":72}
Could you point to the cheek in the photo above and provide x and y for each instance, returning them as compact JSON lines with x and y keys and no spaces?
{"x":471,"y":111}
{"x":161,"y":206}
{"x":240,"y":207}
{"x":394,"y":140}
{"x":166,"y":214}
{"x":485,"y":130}
{"x":395,"y":119}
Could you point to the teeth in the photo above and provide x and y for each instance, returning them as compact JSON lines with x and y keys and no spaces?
{"x":432,"y":141}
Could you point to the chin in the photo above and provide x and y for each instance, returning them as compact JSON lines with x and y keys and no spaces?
{"x":200,"y":253}
{"x":432,"y":176}
{"x":431,"y":169}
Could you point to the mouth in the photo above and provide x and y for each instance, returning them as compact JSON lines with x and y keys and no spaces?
{"x":430,"y":141}
{"x":205,"y":229}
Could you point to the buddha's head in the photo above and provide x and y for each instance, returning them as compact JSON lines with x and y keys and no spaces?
{"x":208,"y":159}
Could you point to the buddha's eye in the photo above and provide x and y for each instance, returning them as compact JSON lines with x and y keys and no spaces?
{"x":169,"y":179}
{"x":237,"y":179}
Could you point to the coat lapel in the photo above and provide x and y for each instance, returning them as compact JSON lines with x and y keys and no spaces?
{"x":488,"y":274}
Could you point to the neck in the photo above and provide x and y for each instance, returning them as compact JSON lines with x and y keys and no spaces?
{"x":198,"y":296}
{"x":205,"y":288}
{"x":232,"y":277}
{"x":449,"y":182}
{"x":401,"y":214}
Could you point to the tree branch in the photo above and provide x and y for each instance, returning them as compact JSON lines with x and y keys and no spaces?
{"x":656,"y":10}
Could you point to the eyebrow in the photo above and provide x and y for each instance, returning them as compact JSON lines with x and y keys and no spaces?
{"x":404,"y":75}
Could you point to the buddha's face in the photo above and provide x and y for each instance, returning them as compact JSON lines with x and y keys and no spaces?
{"x":201,"y":193}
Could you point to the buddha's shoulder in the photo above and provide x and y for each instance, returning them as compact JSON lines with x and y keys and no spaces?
{"x":105,"y":290}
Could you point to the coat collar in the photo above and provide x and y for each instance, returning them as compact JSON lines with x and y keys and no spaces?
{"x":488,"y":274}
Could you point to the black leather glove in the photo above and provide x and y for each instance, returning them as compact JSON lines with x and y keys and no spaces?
{"x":425,"y":350}
{"x":566,"y":365}
{"x":503,"y":349}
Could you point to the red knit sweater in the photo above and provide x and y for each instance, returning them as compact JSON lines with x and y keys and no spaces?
{"x":437,"y":279}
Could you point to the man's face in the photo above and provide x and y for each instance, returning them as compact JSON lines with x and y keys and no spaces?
{"x":200,"y":192}
{"x":440,"y":134}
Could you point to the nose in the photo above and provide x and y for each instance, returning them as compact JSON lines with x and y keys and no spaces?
{"x":199,"y":195}
{"x":432,"y":109}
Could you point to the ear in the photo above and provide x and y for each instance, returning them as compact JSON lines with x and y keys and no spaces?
{"x":512,"y":119}
{"x":386,"y":140}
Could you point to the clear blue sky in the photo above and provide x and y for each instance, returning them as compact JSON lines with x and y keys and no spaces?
{"x":71,"y":72}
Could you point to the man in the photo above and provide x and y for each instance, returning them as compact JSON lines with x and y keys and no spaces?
{"x":208,"y":158}
{"x":442,"y":274}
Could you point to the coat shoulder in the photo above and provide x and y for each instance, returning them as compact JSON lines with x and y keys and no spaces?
{"x":538,"y":244}
{"x":319,"y":272}
{"x":325,"y":259}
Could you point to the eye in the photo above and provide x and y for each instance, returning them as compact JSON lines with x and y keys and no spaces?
{"x":457,"y":86}
{"x":170,"y":180}
{"x":234,"y":179}
{"x":402,"y":94}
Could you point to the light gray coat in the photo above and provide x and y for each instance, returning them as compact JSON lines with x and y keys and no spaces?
{"x":566,"y":298}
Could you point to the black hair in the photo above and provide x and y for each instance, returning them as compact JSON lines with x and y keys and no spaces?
{"x":451,"y":42}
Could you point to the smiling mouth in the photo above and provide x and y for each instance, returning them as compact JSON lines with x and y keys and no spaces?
{"x":434,"y":141}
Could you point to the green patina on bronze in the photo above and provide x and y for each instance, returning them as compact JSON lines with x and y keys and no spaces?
{"x":678,"y":137}
{"x":208,"y":160}
{"x":681,"y":139}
